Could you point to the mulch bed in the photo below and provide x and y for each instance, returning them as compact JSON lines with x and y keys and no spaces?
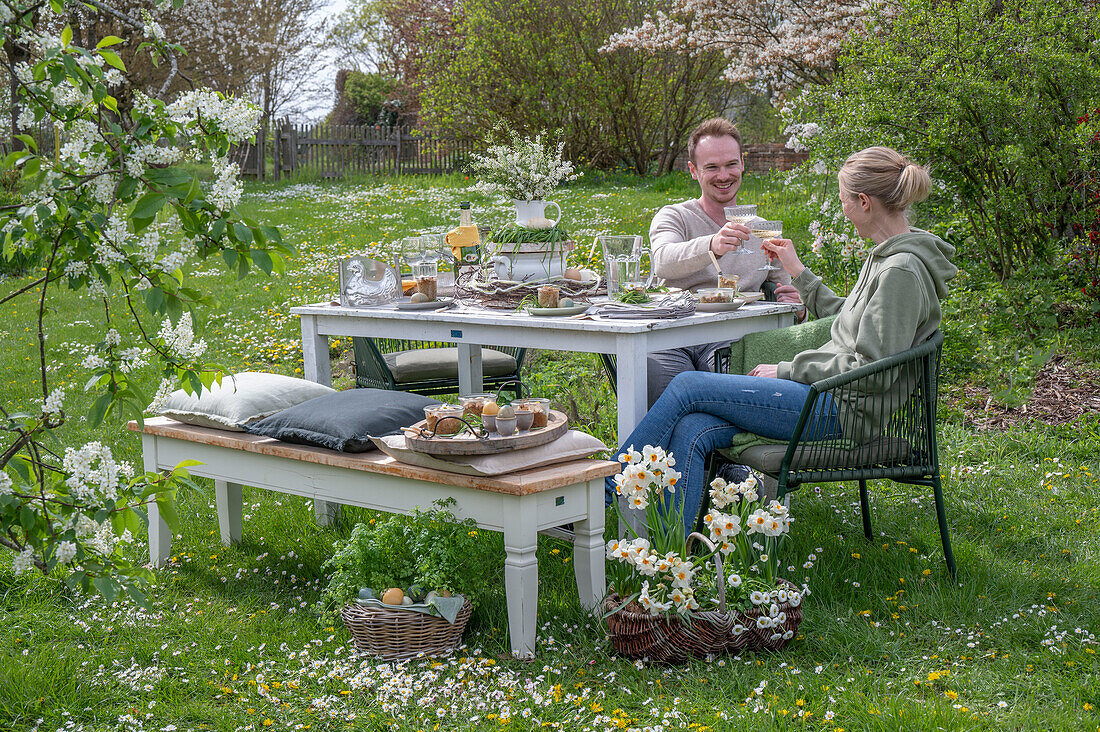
{"x":1064,"y":391}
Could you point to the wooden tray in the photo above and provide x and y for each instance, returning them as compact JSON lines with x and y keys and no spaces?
{"x":467,"y":444}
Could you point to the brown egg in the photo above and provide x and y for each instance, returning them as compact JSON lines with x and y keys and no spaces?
{"x":489,"y":408}
{"x":393,"y":596}
{"x":572,"y":274}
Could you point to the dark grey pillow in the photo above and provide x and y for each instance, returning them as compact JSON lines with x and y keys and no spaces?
{"x":346,"y":420}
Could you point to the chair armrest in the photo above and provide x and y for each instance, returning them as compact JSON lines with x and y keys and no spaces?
{"x":883,"y":364}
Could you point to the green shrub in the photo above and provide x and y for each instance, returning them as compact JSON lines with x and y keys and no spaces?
{"x":989,"y":93}
{"x":430,"y":548}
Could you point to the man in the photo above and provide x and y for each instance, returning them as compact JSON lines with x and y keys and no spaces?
{"x":683,"y":235}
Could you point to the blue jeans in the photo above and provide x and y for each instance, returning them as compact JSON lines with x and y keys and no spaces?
{"x":702,"y":411}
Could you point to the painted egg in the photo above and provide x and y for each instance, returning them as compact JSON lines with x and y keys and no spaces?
{"x":393,"y":596}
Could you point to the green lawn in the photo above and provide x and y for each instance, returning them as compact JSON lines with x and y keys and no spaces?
{"x":888,"y":641}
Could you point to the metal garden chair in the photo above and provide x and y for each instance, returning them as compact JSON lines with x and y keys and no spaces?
{"x":428,"y":367}
{"x":904,"y":450}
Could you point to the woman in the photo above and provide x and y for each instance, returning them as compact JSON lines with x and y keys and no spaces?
{"x":894,"y":305}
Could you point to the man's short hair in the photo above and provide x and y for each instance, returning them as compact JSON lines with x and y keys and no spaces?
{"x":714,"y":127}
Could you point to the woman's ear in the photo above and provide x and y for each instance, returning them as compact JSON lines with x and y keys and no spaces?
{"x":864,"y":201}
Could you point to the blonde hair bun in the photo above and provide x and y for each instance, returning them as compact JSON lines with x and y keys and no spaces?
{"x":887,"y":175}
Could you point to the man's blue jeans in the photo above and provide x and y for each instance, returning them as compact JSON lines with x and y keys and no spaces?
{"x":701,"y":411}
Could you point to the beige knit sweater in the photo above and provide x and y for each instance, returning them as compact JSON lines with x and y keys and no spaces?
{"x":680,"y":238}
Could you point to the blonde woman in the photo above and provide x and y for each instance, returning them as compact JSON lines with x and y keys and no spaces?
{"x":894,"y":305}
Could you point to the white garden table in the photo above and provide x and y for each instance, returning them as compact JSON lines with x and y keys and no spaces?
{"x":472,"y":327}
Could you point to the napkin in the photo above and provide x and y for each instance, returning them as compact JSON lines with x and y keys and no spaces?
{"x":444,"y":607}
{"x":671,"y":306}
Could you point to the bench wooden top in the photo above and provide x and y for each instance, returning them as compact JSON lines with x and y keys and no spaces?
{"x":523,"y":483}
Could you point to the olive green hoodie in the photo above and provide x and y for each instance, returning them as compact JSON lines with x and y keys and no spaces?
{"x":894,"y":305}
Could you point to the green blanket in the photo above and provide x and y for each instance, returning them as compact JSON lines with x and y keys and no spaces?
{"x":781,"y":344}
{"x":773,"y":346}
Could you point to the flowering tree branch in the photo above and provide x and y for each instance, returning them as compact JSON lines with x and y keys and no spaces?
{"x":110,"y":210}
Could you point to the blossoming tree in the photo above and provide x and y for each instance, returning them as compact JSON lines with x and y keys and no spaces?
{"x":111,"y":214}
{"x":773,"y":46}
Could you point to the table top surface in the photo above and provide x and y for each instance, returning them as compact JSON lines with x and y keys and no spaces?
{"x":473,"y":314}
{"x":521,"y":483}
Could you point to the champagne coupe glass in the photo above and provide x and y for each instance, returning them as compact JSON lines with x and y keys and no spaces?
{"x":767,"y":230}
{"x":740,"y":215}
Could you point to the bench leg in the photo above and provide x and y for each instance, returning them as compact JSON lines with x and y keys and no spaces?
{"x":521,"y":577}
{"x":588,"y":550}
{"x":160,"y":537}
{"x":326,"y":513}
{"x":229,"y":500}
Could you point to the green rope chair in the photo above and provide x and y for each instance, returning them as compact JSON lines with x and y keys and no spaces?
{"x":897,"y":439}
{"x":428,"y":367}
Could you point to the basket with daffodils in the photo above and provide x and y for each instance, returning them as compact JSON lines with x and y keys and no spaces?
{"x":667,"y":604}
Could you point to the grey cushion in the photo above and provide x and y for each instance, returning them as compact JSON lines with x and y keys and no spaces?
{"x":240,"y":399}
{"x":442,"y":363}
{"x":769,"y":458}
{"x":345,"y":420}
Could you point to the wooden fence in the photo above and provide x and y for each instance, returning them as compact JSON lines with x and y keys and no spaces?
{"x":335,"y":151}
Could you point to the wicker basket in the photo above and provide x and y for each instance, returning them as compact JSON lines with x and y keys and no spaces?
{"x":396,"y":634}
{"x":665,"y":639}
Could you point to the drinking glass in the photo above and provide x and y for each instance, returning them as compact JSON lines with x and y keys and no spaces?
{"x":431,"y":247}
{"x":622,"y":255}
{"x":765,"y":230}
{"x":410,"y":251}
{"x":740,"y":215}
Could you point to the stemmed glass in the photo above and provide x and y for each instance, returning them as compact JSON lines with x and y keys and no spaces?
{"x":767,"y":230}
{"x":740,"y":215}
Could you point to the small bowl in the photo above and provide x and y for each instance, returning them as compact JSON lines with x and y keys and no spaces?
{"x":717,"y":295}
{"x":506,"y":426}
{"x":435,"y":412}
{"x":473,"y":403}
{"x":525,"y":417}
{"x":539,"y":406}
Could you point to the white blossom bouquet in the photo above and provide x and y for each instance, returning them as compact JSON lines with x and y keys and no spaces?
{"x":658,"y":572}
{"x":522,"y":168}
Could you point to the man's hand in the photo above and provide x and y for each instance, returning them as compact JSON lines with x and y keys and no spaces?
{"x":729,"y":237}
{"x":787,"y":293}
{"x":767,"y":370}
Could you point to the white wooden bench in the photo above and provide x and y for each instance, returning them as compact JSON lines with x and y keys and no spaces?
{"x":519,"y":505}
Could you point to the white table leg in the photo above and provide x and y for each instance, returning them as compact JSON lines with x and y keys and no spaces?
{"x":632,"y":390}
{"x":228,"y":497}
{"x":317,"y":367}
{"x":521,"y":576}
{"x":470,"y":374}
{"x":315,"y":360}
{"x":631,"y":369}
{"x":589,"y":551}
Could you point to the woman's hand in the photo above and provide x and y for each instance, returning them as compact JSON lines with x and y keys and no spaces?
{"x":783,"y":249}
{"x":729,"y":237}
{"x":767,"y":370}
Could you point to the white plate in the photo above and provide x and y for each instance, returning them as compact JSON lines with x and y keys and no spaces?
{"x":575,"y":310}
{"x":718,"y":307}
{"x":432,"y":305}
{"x":751,"y":296}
